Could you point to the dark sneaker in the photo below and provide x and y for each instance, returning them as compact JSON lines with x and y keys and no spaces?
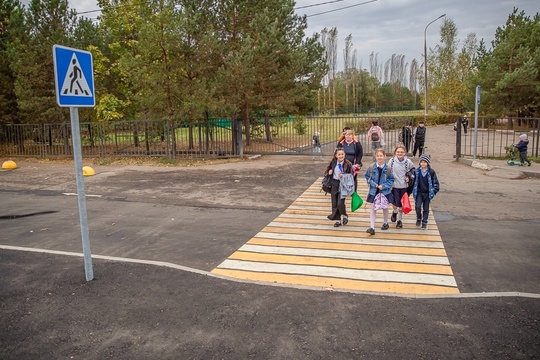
{"x":393,"y":218}
{"x":399,"y":224}
{"x":371,"y":231}
{"x":418,"y":223}
{"x":337,"y":224}
{"x":529,"y":163}
{"x":384,"y":227}
{"x":424,"y":226}
{"x":345,"y":220}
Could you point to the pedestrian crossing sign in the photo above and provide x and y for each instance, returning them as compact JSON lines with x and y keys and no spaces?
{"x":74,"y":77}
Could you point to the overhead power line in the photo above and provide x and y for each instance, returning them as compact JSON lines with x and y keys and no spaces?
{"x":345,"y":7}
{"x":318,"y":4}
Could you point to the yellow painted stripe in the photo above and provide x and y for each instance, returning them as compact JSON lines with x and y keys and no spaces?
{"x":348,"y":247}
{"x":353,"y":221}
{"x":344,"y":263}
{"x":344,"y":233}
{"x":311,"y":211}
{"x":335,"y":283}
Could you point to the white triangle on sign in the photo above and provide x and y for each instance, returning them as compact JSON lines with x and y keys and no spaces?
{"x":75,"y":83}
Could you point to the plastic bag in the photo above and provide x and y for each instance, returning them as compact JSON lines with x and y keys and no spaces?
{"x":380,"y":202}
{"x":406,"y":204}
{"x":356,"y":201}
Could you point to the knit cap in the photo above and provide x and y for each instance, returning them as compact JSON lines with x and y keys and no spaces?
{"x":523,"y":136}
{"x":426,"y":158}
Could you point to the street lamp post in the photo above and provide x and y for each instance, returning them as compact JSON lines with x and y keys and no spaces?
{"x":425,"y":66}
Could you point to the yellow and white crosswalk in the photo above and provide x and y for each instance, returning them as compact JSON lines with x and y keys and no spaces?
{"x":302,"y":247}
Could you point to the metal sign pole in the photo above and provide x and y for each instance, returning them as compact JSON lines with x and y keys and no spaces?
{"x":476,"y":103}
{"x":81,"y":197}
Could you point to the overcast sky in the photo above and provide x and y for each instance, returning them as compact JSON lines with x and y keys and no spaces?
{"x":388,"y":27}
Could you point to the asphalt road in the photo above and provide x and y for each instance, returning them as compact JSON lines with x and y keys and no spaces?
{"x":197,"y":216}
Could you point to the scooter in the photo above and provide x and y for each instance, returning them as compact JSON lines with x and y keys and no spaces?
{"x":511,"y":150}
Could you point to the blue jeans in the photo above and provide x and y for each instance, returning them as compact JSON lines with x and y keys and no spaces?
{"x":422,"y":206}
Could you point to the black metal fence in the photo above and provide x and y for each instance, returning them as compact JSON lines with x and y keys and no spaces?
{"x":122,"y":138}
{"x":215,"y":138}
{"x":211,"y":138}
{"x":494,"y":135}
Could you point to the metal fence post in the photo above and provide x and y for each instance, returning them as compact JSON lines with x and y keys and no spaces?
{"x":458,"y":139}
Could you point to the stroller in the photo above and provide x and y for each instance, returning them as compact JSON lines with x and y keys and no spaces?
{"x":513,"y":152}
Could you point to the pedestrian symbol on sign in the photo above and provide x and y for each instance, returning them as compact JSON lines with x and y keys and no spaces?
{"x":73,"y":77}
{"x":75,"y":83}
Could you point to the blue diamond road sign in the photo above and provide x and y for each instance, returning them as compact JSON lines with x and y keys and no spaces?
{"x":74,"y":77}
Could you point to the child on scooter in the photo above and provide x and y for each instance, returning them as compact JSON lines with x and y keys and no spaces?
{"x":522,"y":148}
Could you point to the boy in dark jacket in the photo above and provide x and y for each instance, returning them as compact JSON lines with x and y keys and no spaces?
{"x":522,"y":148}
{"x":426,"y":185}
{"x":419,"y":139}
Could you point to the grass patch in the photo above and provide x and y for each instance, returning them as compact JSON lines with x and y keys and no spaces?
{"x":141,"y":161}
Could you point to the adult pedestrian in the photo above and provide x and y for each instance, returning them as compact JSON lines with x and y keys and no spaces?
{"x":353,"y":152}
{"x":406,"y":136}
{"x":316,"y":142}
{"x":419,"y":139}
{"x":465,"y":122}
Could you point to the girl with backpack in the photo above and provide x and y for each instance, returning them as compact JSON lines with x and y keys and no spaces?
{"x":380,"y":180}
{"x":400,"y":165}
{"x":375,"y":135}
{"x":337,"y":167}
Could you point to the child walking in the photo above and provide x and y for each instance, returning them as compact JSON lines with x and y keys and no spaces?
{"x":419,"y":139}
{"x":400,"y":166}
{"x":337,"y":167}
{"x":522,"y":148}
{"x":316,"y":142}
{"x":375,"y":135}
{"x":380,"y":180}
{"x":426,"y":185}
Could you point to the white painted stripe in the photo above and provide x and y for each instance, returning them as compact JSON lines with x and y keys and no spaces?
{"x":344,"y":240}
{"x":342,"y":254}
{"x":408,"y":219}
{"x":87,"y":195}
{"x":342,"y":273}
{"x":315,"y":288}
{"x":330,"y":225}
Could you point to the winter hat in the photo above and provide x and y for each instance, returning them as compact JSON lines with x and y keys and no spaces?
{"x":425,"y":157}
{"x":523,"y":136}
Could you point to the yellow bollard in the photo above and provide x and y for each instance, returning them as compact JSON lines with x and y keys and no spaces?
{"x":9,"y":165}
{"x":88,"y":171}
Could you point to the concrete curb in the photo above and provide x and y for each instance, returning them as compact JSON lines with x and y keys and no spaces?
{"x":483,"y":166}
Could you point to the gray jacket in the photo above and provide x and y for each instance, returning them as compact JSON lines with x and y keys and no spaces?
{"x":346,"y":185}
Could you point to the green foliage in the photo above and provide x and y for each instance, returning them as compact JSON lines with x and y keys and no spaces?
{"x":109,"y":108}
{"x":510,"y":73}
{"x":11,"y":16}
{"x":449,"y":69}
{"x":300,"y":125}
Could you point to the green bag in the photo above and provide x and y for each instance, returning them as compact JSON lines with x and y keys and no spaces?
{"x":356,"y":201}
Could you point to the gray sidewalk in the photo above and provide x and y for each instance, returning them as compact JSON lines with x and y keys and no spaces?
{"x":500,"y":168}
